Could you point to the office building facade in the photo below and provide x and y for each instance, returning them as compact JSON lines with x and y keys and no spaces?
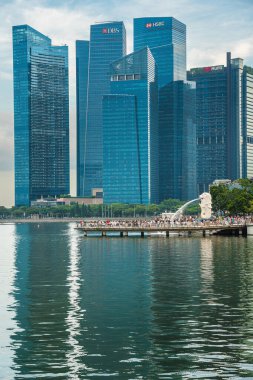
{"x":224,"y":128}
{"x":107,"y":44}
{"x":166,"y":39}
{"x":211,"y":120}
{"x":177,"y":141}
{"x":130,"y":131}
{"x":41,"y":116}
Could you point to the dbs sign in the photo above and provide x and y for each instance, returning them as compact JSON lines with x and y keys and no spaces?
{"x":110,"y":30}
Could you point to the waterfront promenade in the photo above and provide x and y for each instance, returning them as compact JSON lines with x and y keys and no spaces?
{"x":227,"y":226}
{"x":148,"y":226}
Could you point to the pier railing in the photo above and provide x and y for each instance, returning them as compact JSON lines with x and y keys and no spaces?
{"x":125,"y":229}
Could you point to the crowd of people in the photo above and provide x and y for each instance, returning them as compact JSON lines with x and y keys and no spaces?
{"x":160,"y":222}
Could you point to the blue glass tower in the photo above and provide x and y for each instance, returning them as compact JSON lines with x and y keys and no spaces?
{"x":224,"y":127}
{"x":82,"y":71}
{"x":107,"y":44}
{"x":130,"y":131}
{"x":166,"y":38}
{"x":41,"y":116}
{"x":177,"y":141}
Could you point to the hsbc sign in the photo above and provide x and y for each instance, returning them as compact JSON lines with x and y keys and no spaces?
{"x":155,"y":24}
{"x":110,"y":30}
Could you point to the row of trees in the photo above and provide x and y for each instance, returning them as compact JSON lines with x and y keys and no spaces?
{"x":107,"y":211}
{"x":236,"y":198}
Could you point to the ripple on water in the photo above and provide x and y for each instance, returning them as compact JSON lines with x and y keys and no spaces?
{"x":126,"y":308}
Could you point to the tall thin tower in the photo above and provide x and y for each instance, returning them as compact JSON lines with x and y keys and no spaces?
{"x":41,"y":116}
{"x":107,"y":44}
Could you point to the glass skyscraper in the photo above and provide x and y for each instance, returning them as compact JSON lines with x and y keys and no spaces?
{"x":82,"y":71}
{"x":107,"y":44}
{"x":211,"y":120}
{"x":41,"y":116}
{"x":166,"y":38}
{"x":177,"y":141}
{"x":130,"y":131}
{"x":224,"y":128}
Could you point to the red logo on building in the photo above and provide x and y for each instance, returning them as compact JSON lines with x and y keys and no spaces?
{"x":105,"y":31}
{"x":149,"y":25}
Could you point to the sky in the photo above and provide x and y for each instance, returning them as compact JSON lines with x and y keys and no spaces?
{"x":213,"y":28}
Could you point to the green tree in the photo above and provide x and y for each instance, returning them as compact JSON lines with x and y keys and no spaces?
{"x":220,"y":197}
{"x":239,"y":201}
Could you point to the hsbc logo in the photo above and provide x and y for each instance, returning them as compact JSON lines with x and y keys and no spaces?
{"x":155,"y":24}
{"x":110,"y":30}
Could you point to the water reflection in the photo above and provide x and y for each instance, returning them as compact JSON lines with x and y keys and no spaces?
{"x":75,"y":314}
{"x":202,"y":307}
{"x":155,"y":308}
{"x":116,"y":296}
{"x":41,"y":301}
{"x":7,"y":314}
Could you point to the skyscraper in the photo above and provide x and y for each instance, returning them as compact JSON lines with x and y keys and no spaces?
{"x":41,"y":116}
{"x":107,"y":44}
{"x":224,"y":128}
{"x":82,"y":71}
{"x":130,"y":131}
{"x":177,"y":141}
{"x":211,"y":120}
{"x":166,"y":38}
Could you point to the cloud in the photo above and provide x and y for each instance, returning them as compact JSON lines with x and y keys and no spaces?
{"x":244,"y":49}
{"x":6,"y":142}
{"x":7,"y":188}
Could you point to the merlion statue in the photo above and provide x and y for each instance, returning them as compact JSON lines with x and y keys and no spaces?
{"x":206,"y":205}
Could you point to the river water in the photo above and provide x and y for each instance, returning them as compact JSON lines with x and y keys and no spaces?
{"x":124,"y":308}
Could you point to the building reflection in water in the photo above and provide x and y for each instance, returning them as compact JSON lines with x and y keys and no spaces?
{"x":115,"y":295}
{"x":86,"y":308}
{"x":202,"y":307}
{"x":175,"y":282}
{"x":7,"y":302}
{"x":75,"y":355}
{"x":41,"y":300}
{"x":81,"y":306}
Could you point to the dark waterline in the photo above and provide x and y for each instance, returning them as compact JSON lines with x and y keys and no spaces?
{"x":131,"y":308}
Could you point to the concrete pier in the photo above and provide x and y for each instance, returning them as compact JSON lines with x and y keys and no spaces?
{"x":188,"y":230}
